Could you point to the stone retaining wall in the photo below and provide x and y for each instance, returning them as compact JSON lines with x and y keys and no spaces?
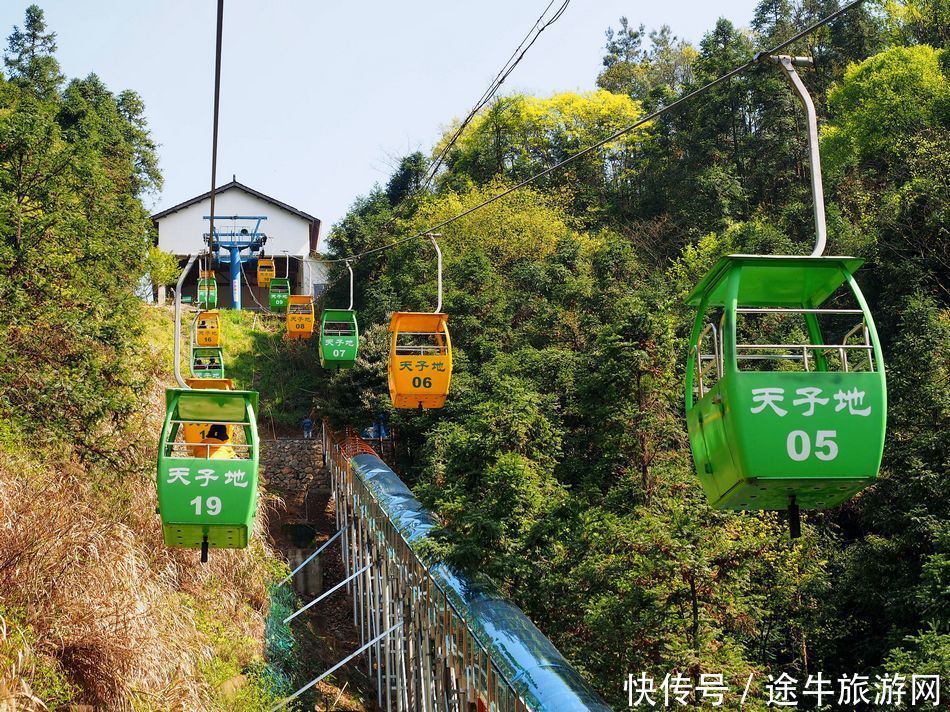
{"x":293,"y":466}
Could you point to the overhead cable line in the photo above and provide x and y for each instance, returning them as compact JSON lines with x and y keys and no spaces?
{"x":217,"y":101}
{"x":496,"y":83}
{"x":756,"y":59}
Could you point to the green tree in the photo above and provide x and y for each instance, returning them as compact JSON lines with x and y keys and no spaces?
{"x":29,"y":55}
{"x":912,"y":22}
{"x":624,"y":52}
{"x":131,"y":108}
{"x":654,"y":76}
{"x":560,"y":464}
{"x":896,"y":93}
{"x":774,"y":19}
{"x":73,"y":242}
{"x":408,"y":178}
{"x":162,"y":267}
{"x":519,"y":136}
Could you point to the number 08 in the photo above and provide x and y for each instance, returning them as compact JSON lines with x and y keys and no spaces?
{"x":798,"y":445}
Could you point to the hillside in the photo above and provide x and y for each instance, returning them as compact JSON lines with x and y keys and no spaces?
{"x":285,"y":373}
{"x":560,"y":464}
{"x":95,"y":609}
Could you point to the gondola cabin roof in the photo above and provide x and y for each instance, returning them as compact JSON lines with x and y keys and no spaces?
{"x":419,"y":321}
{"x":301,"y":300}
{"x":212,"y":405}
{"x":775,"y":280}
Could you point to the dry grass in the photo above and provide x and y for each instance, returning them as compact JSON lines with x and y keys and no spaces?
{"x":93,"y":608}
{"x":102,"y":596}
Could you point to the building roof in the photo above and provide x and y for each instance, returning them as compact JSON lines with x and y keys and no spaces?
{"x":235,"y":184}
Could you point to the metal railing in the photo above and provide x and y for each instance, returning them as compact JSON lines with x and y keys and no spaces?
{"x":421,"y":351}
{"x":709,"y":364}
{"x":206,"y":450}
{"x":862,"y":328}
{"x":434,"y":661}
{"x":438,"y":348}
{"x":794,"y":348}
{"x":182,"y":448}
{"x":399,"y":589}
{"x":336,"y":328}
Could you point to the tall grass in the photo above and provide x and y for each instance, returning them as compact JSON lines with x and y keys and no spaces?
{"x":93,"y":608}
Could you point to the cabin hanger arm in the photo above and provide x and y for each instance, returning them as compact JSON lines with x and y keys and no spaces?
{"x":788,"y":65}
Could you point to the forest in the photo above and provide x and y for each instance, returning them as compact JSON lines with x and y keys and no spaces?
{"x":560,"y":465}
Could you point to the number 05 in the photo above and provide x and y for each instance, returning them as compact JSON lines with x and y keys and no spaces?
{"x":823,"y":439}
{"x":798,"y":445}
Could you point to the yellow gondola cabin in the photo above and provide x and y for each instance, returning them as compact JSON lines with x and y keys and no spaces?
{"x":420,"y":359}
{"x":300,"y":317}
{"x":208,"y":329}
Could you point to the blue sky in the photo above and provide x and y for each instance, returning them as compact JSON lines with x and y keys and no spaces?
{"x":319,"y":99}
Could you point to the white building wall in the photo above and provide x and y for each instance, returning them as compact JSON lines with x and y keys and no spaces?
{"x":314,"y":277}
{"x":181,"y":232}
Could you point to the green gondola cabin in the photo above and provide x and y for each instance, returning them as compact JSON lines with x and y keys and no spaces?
{"x":339,"y":338}
{"x":789,"y":421}
{"x":207,"y":362}
{"x":278,"y":294}
{"x":208,"y":468}
{"x":207,"y":293}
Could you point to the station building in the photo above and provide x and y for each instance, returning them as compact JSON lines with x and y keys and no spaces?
{"x":292,"y":238}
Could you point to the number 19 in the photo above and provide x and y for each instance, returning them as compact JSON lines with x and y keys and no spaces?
{"x":212,"y":506}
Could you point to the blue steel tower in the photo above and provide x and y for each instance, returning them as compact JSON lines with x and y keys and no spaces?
{"x":235,"y":241}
